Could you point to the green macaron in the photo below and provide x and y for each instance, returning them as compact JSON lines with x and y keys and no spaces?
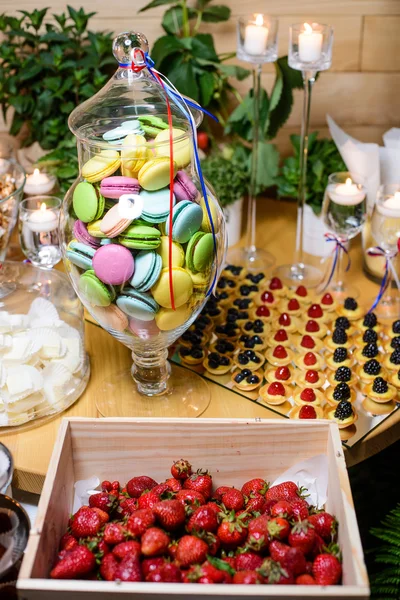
{"x":199,"y":251}
{"x":94,"y":290}
{"x":87,"y":201}
{"x":140,"y":237}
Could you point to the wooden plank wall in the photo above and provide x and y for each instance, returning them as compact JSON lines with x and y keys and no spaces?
{"x":361,"y":90}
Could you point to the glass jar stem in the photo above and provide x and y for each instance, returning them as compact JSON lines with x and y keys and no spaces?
{"x":150,"y":372}
{"x":252,"y":206}
{"x":339,"y":275}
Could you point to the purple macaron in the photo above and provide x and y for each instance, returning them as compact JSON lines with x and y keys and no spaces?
{"x":113,"y":264}
{"x":184,"y":188}
{"x":82,"y":235}
{"x":114,"y":187}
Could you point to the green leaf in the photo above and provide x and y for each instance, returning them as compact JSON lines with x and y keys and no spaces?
{"x":155,"y":3}
{"x":234,"y":71}
{"x":291,"y":79}
{"x":267,"y":166}
{"x":182,"y":77}
{"x":173,"y":19}
{"x":276,"y":91}
{"x":164,"y":47}
{"x":220,"y":564}
{"x":203,"y":47}
{"x":216,"y":13}
{"x":206,"y":85}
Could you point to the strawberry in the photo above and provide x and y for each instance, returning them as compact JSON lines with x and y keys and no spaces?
{"x":232,"y":531}
{"x":202,"y":140}
{"x":267,"y":297}
{"x":216,"y":570}
{"x":278,"y":528}
{"x":170,"y":514}
{"x":310,"y":359}
{"x":214,"y":543}
{"x":190,"y":498}
{"x":215,"y":507}
{"x":149,"y":564}
{"x":109,"y":567}
{"x":327,"y":299}
{"x":308,"y":395}
{"x":290,"y":558}
{"x":248,"y":561}
{"x":203,"y":518}
{"x":103,"y":516}
{"x":68,"y":542}
{"x":167,"y":573}
{"x":233,"y":499}
{"x":85,"y":522}
{"x":220,"y":491}
{"x":279,"y":352}
{"x":263,"y":311}
{"x":300,"y":508}
{"x":283,"y":491}
{"x":281,"y":336}
{"x":149,"y":499}
{"x":259,"y":486}
{"x":281,"y":509}
{"x":128,"y":506}
{"x":121,"y":550}
{"x":106,"y":502}
{"x":181,"y":469}
{"x":74,"y":563}
{"x":129,"y":569}
{"x":276,"y":388}
{"x":115,"y":486}
{"x":191,"y":549}
{"x":311,"y":376}
{"x":258,"y":536}
{"x":307,"y":412}
{"x":200,"y":482}
{"x":324,"y":524}
{"x":327,"y":569}
{"x":315,"y":311}
{"x":255,"y":503}
{"x":102,"y":549}
{"x":318,"y":546}
{"x":312,"y":326}
{"x":307,"y":342}
{"x":137,"y":485}
{"x":305,"y":580}
{"x":301,"y":291}
{"x":173,"y":484}
{"x":302,"y":536}
{"x":282,"y":373}
{"x":139,"y":521}
{"x":275,"y":284}
{"x":284,"y":320}
{"x":293,"y":304}
{"x":106,"y":486}
{"x":154,"y":542}
{"x":247,"y":578}
{"x":114,"y":533}
{"x":273,"y":572}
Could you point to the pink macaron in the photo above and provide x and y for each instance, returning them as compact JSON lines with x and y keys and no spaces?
{"x":184,"y":188}
{"x":112,"y":224}
{"x":113,"y":264}
{"x":116,"y":186}
{"x":143,"y":329}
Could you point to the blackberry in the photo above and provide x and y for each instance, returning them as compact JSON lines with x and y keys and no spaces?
{"x":231,"y":318}
{"x":250,"y":354}
{"x":372,"y":367}
{"x":214,"y":312}
{"x":370,"y":320}
{"x":197,"y":352}
{"x":256,"y":339}
{"x":342,"y":322}
{"x":185,"y":351}
{"x":230,"y":283}
{"x":246,"y":372}
{"x":380,"y":386}
{"x":395,"y":357}
{"x":214,"y":356}
{"x":242,"y":315}
{"x":248,"y":326}
{"x":340,"y":355}
{"x":224,"y":361}
{"x":344,"y":410}
{"x":221,"y":347}
{"x":396,"y":326}
{"x":258,"y":328}
{"x":244,"y":290}
{"x":370,"y":350}
{"x":255,"y":278}
{"x":234,"y":269}
{"x":242,"y":358}
{"x":242,"y":303}
{"x":222,"y":283}
{"x":200,"y":325}
{"x":395,"y":343}
{"x":250,"y":343}
{"x":343,"y":374}
{"x":252,"y":379}
{"x":239,"y":377}
{"x":350,"y":304}
{"x":369,"y":336}
{"x":214,"y":364}
{"x":339,"y":336}
{"x":253,"y":288}
{"x":341,"y":392}
{"x":244,"y":338}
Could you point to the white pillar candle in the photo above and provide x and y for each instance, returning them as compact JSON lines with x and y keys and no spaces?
{"x":39,"y":183}
{"x":310,"y":44}
{"x":256,"y":37}
{"x":42,"y":220}
{"x":391,"y":206}
{"x":346,"y":194}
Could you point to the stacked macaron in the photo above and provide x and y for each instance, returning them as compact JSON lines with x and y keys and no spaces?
{"x":128,"y":251}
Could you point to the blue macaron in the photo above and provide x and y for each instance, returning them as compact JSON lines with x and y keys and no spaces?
{"x":156,"y":205}
{"x":80,"y":254}
{"x":187,"y":217}
{"x":148,"y":265}
{"x":137,"y":304}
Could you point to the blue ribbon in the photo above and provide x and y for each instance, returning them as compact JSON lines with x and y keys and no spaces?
{"x":338,"y":247}
{"x":378,"y":251}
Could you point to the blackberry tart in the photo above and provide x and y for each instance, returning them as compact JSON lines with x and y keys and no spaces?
{"x":342,"y":391}
{"x":343,"y":323}
{"x":338,"y":338}
{"x":370,"y":321}
{"x":342,"y":375}
{"x":394,"y":329}
{"x":367,"y":336}
{"x":379,"y":390}
{"x":310,"y":360}
{"x":191,"y":355}
{"x":392,"y":361}
{"x":249,"y":359}
{"x":275,"y":393}
{"x":217,"y":364}
{"x":340,"y":358}
{"x":369,"y":370}
{"x":395,"y":379}
{"x":351,"y":310}
{"x":343,"y":414}
{"x":368,"y":351}
{"x":279,"y":356}
{"x":246,"y":380}
{"x":392,"y":344}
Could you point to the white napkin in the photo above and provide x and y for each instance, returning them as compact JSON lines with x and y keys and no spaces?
{"x":311,"y":474}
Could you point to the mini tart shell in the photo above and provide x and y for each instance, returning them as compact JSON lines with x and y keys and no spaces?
{"x":259,"y":302}
{"x":225,"y":302}
{"x":350,"y":331}
{"x":375,"y":408}
{"x":330,"y":412}
{"x":272,"y":399}
{"x":331,"y":364}
{"x":394,"y":379}
{"x":304,"y":300}
{"x":291,"y":328}
{"x":249,"y":307}
{"x":296,"y":340}
{"x":189,"y":360}
{"x":247,"y":387}
{"x":389,"y":332}
{"x":359,"y":342}
{"x":270,"y":376}
{"x":352,"y":315}
{"x":279,"y":362}
{"x":389,"y":365}
{"x":359,"y":324}
{"x":266,"y":320}
{"x":222,"y":370}
{"x":230,"y":290}
{"x":387,"y":347}
{"x":331,"y":346}
{"x":260,"y":284}
{"x":325,"y":318}
{"x":320,"y":334}
{"x":332,"y":402}
{"x":284,"y":308}
{"x":319,"y":398}
{"x":300,"y":379}
{"x":361,"y":359}
{"x":250,"y":365}
{"x":366,"y":377}
{"x":220,"y":318}
{"x":295,"y":412}
{"x":271,"y":342}
{"x":250,"y":295}
{"x":327,"y":307}
{"x":319,"y":365}
{"x":229,"y":338}
{"x":257,"y":347}
{"x":380,"y":398}
{"x":332,"y":381}
{"x":229,"y":275}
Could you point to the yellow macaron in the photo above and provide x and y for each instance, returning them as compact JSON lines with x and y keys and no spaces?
{"x":181,"y":148}
{"x":134,"y":154}
{"x":168,"y":319}
{"x":155,"y":173}
{"x":182,"y":286}
{"x":205,"y":224}
{"x":178,"y":254}
{"x":101,"y":165}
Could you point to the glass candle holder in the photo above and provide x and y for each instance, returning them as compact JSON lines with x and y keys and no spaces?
{"x":257,"y":39}
{"x":39,"y":183}
{"x":310,"y":46}
{"x":38,"y":230}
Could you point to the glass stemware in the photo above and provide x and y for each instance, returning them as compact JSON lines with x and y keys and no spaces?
{"x":38,"y":230}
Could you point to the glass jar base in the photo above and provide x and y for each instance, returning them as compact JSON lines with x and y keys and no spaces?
{"x":342,"y":291}
{"x":388,"y":308}
{"x":294,"y":275}
{"x":187,"y":395}
{"x":256,"y":259}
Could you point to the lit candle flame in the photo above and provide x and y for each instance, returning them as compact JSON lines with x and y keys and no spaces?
{"x":307,"y":28}
{"x":259,"y":20}
{"x":43,"y":206}
{"x":349,"y":181}
{"x":36,"y":172}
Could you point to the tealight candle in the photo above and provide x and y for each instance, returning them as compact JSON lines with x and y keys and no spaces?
{"x":310,"y":44}
{"x":346,"y":194}
{"x":391,"y":206}
{"x":39,"y":183}
{"x":255,"y":37}
{"x":42,"y":220}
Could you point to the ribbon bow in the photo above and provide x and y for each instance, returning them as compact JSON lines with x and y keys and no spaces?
{"x":389,"y":268}
{"x":141,"y":60}
{"x":339,"y":245}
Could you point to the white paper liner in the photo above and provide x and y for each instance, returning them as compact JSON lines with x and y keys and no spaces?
{"x":42,"y":313}
{"x":83,"y":489}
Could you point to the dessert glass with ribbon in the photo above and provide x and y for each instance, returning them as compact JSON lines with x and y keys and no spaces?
{"x":385,"y":227}
{"x":344,"y":213}
{"x":143,"y":235}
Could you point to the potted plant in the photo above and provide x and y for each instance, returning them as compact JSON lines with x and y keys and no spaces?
{"x":230,"y":182}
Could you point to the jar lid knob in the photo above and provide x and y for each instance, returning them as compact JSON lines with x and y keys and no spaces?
{"x":125,"y":43}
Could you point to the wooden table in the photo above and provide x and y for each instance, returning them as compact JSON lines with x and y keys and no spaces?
{"x":276,"y":229}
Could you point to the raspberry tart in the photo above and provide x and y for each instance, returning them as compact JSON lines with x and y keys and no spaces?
{"x":279,"y":356}
{"x":276,"y":286}
{"x":292,"y":307}
{"x":328,"y":302}
{"x":308,"y":343}
{"x":316,"y":313}
{"x":268,"y":298}
{"x":263,"y":313}
{"x":302,"y":295}
{"x":311,"y":378}
{"x":281,"y":336}
{"x":313,"y":328}
{"x":308,"y":395}
{"x":275,"y":393}
{"x":283,"y":374}
{"x":310,"y":360}
{"x":309,"y":411}
{"x":287,"y":322}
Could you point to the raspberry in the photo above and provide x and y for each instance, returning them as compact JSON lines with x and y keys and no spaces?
{"x":350,"y":304}
{"x":279,"y":352}
{"x":312,"y":326}
{"x":315,"y":311}
{"x":339,"y":336}
{"x":396,"y":326}
{"x":308,"y":395}
{"x":284,"y":320}
{"x":301,"y":291}
{"x":395,"y":357}
{"x":370,"y":336}
{"x":343,"y":374}
{"x":276,"y":389}
{"x":344,"y":410}
{"x":380,"y":386}
{"x":275,"y":284}
{"x":370,"y":320}
{"x":310,"y":359}
{"x":307,"y":412}
{"x":282,"y":373}
{"x":263,"y":311}
{"x":327,"y":299}
{"x":372,"y":367}
{"x":311,"y":376}
{"x":281,"y":336}
{"x":340,"y":355}
{"x":342,"y":322}
{"x":307,"y":342}
{"x":341,"y":392}
{"x":370,"y":350}
{"x":293,"y":304}
{"x":267,"y":297}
